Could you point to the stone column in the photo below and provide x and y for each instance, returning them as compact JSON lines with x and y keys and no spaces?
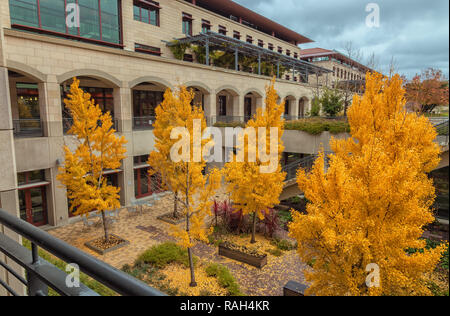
{"x":8,"y":175}
{"x":293,"y":111}
{"x":123,"y":115}
{"x":238,"y":107}
{"x":210,"y":108}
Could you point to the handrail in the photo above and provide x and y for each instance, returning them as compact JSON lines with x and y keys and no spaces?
{"x":109,"y":276}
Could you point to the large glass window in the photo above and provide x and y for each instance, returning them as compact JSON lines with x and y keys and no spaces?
{"x":187,"y":24}
{"x":99,"y":19}
{"x":144,"y":184}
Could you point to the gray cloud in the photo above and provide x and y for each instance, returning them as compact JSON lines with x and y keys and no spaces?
{"x":414,"y":32}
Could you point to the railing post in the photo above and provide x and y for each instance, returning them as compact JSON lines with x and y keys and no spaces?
{"x":35,"y":286}
{"x":207,"y":51}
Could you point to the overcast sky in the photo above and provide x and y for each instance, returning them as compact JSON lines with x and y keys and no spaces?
{"x":414,"y":32}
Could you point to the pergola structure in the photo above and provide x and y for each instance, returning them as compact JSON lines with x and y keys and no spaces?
{"x":215,"y":41}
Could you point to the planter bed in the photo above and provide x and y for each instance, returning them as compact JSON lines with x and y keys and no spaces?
{"x":115,"y":243}
{"x":242,"y":254}
{"x":168,"y":218}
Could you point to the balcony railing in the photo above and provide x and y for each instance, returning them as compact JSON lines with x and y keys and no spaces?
{"x":28,"y":128}
{"x":68,"y":122}
{"x":143,"y":122}
{"x":41,"y":275}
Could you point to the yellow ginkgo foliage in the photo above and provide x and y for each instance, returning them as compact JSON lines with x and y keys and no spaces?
{"x":369,"y":204}
{"x":185,"y":175}
{"x":251,"y":189}
{"x":98,"y":149}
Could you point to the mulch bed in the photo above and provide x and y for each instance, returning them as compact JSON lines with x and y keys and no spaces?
{"x":101,"y":246}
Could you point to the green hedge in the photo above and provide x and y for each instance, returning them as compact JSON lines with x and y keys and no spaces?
{"x":316,"y":126}
{"x":225,"y":278}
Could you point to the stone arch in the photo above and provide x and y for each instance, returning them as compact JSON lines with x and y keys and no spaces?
{"x":26,"y":70}
{"x":151,"y":79}
{"x":303,"y":106}
{"x":258,"y":93}
{"x":232,"y":90}
{"x":96,"y":74}
{"x":201,"y":86}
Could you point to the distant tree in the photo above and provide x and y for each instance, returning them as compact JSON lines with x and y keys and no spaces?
{"x":373,"y":200}
{"x":428,"y":90}
{"x":331,"y":101}
{"x":98,"y":149}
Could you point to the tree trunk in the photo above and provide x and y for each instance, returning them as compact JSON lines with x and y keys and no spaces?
{"x":191,"y":261}
{"x":175,"y":206}
{"x":253,"y":229}
{"x":105,"y":227}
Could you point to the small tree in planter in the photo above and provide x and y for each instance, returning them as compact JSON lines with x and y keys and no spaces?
{"x":332,"y":101}
{"x":181,"y":171}
{"x":98,"y":149}
{"x":251,"y":190}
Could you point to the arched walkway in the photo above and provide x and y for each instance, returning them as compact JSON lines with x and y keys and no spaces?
{"x":91,"y":73}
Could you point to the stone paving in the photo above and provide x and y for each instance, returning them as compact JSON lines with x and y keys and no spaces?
{"x":144,"y":231}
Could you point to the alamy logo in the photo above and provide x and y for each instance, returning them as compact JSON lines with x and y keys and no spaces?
{"x":373,"y":278}
{"x":373,"y":18}
{"x":73,"y":275}
{"x":73,"y":15}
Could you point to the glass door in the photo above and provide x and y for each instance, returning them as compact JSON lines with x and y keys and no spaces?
{"x":33,"y":206}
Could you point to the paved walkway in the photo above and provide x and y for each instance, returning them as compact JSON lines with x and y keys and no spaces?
{"x":144,"y":231}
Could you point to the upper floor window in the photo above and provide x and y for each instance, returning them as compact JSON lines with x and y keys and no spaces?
{"x":271,"y":47}
{"x":280,"y":49}
{"x":222,"y":30}
{"x":99,"y":19}
{"x":187,"y":24}
{"x":146,"y":11}
{"x":249,"y":39}
{"x":288,"y":52}
{"x":206,"y":26}
{"x":260,"y":43}
{"x":236,"y":35}
{"x":156,"y":51}
{"x":295,"y":55}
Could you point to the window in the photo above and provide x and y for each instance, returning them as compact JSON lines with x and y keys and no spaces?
{"x":188,"y":57}
{"x":99,"y":19}
{"x":156,"y":51}
{"x":206,"y":26}
{"x":249,"y":39}
{"x":260,"y":43}
{"x":271,"y":47}
{"x":288,"y":52}
{"x":295,"y":55}
{"x":280,"y":50}
{"x":145,"y":102}
{"x":146,"y":11}
{"x":222,"y":30}
{"x":236,"y":35}
{"x":187,"y":24}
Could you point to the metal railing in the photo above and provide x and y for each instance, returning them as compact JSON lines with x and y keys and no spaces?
{"x":28,"y":128}
{"x":68,"y":122}
{"x":305,"y":163}
{"x":143,"y":122}
{"x":442,"y":130}
{"x":40,"y":275}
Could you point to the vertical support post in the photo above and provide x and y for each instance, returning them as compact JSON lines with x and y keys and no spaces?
{"x":236,"y":59}
{"x":35,"y":286}
{"x":207,"y":52}
{"x":293,"y":73}
{"x":278,"y":69}
{"x":259,"y":63}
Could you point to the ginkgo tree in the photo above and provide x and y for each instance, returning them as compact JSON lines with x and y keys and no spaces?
{"x":180,"y":158}
{"x":97,"y":150}
{"x":371,"y":202}
{"x":253,"y":189}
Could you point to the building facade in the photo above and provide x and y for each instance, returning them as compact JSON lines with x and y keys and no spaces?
{"x":344,"y":69}
{"x":119,"y":50}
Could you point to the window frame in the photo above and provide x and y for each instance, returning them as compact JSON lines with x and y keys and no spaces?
{"x":146,"y":5}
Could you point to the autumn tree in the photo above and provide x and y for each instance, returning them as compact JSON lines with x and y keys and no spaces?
{"x":428,"y":90}
{"x":180,"y":160}
{"x":98,"y":149}
{"x":251,"y":188}
{"x":372,"y":201}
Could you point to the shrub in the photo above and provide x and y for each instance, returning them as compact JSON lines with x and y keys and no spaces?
{"x":275,"y":252}
{"x":271,"y":222}
{"x":315,"y":107}
{"x":284,"y":244}
{"x":162,"y":255}
{"x":225,"y":278}
{"x":316,"y":126}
